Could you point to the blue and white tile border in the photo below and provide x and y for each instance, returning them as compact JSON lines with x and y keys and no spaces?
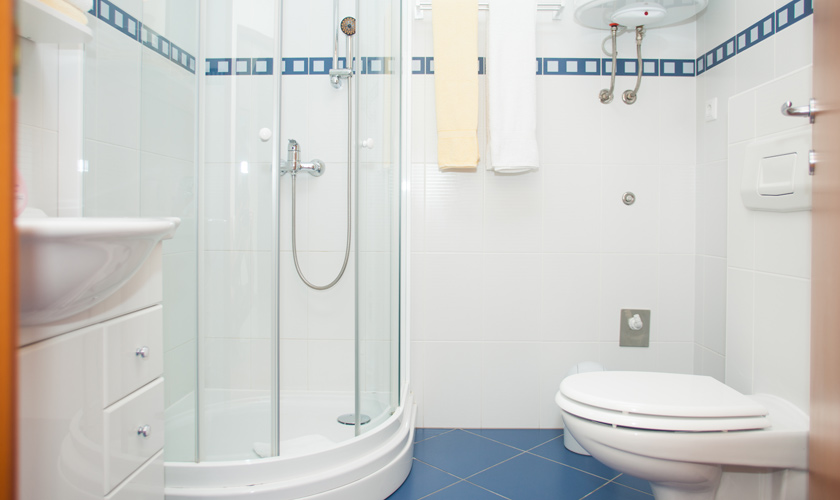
{"x":781,"y":19}
{"x":128,"y":25}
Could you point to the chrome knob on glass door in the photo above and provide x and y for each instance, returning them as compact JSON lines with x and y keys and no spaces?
{"x":293,"y":164}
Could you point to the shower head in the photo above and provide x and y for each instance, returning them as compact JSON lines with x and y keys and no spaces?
{"x":348,"y":26}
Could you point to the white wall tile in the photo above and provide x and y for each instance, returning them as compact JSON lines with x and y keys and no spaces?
{"x":452,"y":307}
{"x":571,"y":208}
{"x":294,"y":372}
{"x":331,"y":365}
{"x":795,"y":87}
{"x":38,"y":84}
{"x":794,"y":46}
{"x":454,"y":210}
{"x":668,"y":357}
{"x":227,"y":363}
{"x":740,"y":242}
{"x":630,"y":228}
{"x":556,"y":359}
{"x":513,"y":212}
{"x":112,"y":183}
{"x":782,"y":349}
{"x":331,"y":312}
{"x":753,"y":66}
{"x":261,"y":361}
{"x":740,"y":329}
{"x":569,"y":131}
{"x":180,"y":366}
{"x":453,"y":389}
{"x":117,"y":97}
{"x":783,"y":243}
{"x":179,"y":297}
{"x":416,"y":377}
{"x":677,"y":197}
{"x":742,"y":121}
{"x":674,"y":321}
{"x":512,"y":303}
{"x":570,"y":294}
{"x":714,"y":304}
{"x":37,"y":163}
{"x":627,"y":282}
{"x":510,"y":389}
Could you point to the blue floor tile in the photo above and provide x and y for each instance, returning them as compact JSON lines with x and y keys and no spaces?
{"x":634,"y":482}
{"x":461,"y":453}
{"x":554,"y":450}
{"x":464,"y":491}
{"x":422,"y":481}
{"x":424,"y":434}
{"x":528,"y":477}
{"x":615,"y":491}
{"x":524,"y":439}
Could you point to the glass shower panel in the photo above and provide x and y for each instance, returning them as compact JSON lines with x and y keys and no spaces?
{"x":378,"y":210}
{"x":140,"y":119}
{"x":237,"y":256}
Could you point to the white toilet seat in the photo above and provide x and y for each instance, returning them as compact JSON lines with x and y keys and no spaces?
{"x":660,"y":401}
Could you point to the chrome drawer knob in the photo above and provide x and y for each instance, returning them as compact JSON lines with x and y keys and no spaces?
{"x":142,"y":352}
{"x":144,"y":431}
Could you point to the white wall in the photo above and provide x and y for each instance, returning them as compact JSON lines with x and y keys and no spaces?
{"x":753,"y":269}
{"x":516,"y":278}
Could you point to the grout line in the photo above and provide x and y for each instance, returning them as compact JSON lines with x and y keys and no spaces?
{"x":596,"y":489}
{"x":575,"y":468}
{"x":435,"y":436}
{"x":485,"y":489}
{"x":496,"y":465}
{"x":613,"y":480}
{"x":438,"y":468}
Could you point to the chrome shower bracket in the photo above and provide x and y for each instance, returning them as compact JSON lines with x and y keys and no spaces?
{"x":606,"y":95}
{"x":629,"y":96}
{"x":294,"y":166}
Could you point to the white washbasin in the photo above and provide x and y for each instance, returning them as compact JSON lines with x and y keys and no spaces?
{"x":67,"y":265}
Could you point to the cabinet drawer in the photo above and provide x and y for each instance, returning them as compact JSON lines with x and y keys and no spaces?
{"x":133,"y":352}
{"x":145,"y":484}
{"x":126,"y":448}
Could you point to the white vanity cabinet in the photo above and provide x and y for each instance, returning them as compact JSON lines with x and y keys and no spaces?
{"x":91,"y":401}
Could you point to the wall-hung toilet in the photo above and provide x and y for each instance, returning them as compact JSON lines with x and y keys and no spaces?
{"x":680,"y":431}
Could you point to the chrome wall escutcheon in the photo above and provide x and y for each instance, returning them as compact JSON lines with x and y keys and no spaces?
{"x":628,"y":198}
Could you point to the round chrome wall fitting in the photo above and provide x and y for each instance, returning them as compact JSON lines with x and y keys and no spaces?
{"x":628,"y":198}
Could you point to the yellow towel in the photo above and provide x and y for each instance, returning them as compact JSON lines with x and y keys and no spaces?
{"x":455,"y":31}
{"x":67,"y":9}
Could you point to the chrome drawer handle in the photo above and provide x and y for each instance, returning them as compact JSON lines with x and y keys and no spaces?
{"x":142,"y":352}
{"x":144,"y":431}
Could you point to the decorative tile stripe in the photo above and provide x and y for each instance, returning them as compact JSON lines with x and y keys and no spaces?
{"x":629,"y":67}
{"x":570,"y":66}
{"x":776,"y":21}
{"x":793,"y":13}
{"x":784,"y":17}
{"x":676,"y":67}
{"x":125,"y":23}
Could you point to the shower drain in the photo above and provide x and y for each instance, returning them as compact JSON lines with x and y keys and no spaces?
{"x":350,"y":419}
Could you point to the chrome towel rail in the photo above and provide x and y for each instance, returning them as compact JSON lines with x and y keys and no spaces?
{"x":557,"y":8}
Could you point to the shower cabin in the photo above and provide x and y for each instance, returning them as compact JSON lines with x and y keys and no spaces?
{"x":285,"y":369}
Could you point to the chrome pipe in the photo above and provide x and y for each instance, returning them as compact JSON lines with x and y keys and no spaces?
{"x":629,"y":96}
{"x":606,"y":95}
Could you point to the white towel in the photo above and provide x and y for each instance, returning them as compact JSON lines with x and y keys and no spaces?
{"x":512,"y":86}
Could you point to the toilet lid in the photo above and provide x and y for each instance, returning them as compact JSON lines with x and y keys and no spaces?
{"x":659,"y":400}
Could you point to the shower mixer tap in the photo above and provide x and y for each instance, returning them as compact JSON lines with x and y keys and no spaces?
{"x":294,"y":166}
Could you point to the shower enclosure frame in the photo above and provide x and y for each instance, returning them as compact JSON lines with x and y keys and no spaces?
{"x":375,"y":461}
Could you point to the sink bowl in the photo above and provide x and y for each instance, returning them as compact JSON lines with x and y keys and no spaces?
{"x":67,"y":265}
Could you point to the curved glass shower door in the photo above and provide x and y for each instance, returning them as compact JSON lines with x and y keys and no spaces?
{"x":280,"y":362}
